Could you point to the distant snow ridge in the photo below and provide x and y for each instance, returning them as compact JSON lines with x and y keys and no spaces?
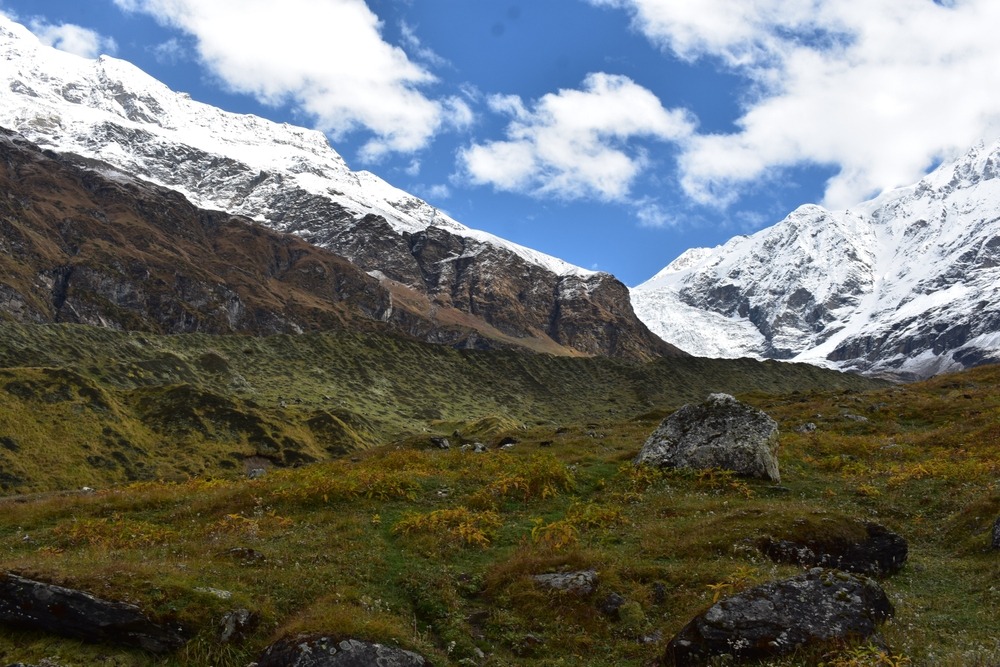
{"x":109,"y":110}
{"x":904,"y":285}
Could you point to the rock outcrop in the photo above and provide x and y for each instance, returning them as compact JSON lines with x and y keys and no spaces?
{"x":719,"y":433}
{"x":781,"y":617}
{"x":42,"y":607}
{"x":880,"y":553}
{"x":325,"y":651}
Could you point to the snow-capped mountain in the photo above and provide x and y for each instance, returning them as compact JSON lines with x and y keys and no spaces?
{"x":906,"y":284}
{"x":117,"y":118}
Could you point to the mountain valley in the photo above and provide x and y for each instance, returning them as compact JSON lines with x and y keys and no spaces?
{"x":264,"y":401}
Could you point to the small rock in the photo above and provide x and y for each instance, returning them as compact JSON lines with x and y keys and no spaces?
{"x":247,"y":555}
{"x":219,"y":593}
{"x":441,"y":443}
{"x":996,"y":534}
{"x":610,"y":605}
{"x":322,"y":651}
{"x":855,"y":418}
{"x":655,"y":638}
{"x":236,"y":624}
{"x":579,"y":583}
{"x":808,"y":427}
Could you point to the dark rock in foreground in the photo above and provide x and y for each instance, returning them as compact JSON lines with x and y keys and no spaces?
{"x":780,"y":617}
{"x":42,"y":607}
{"x":881,"y":553}
{"x":328,"y":652}
{"x":720,"y":433}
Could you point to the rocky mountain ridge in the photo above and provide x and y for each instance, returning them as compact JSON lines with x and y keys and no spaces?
{"x":116,"y":119}
{"x":904,"y":285}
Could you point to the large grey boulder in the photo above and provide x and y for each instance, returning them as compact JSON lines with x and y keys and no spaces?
{"x":720,"y":433}
{"x":42,"y":607}
{"x":778,"y":618}
{"x":320,"y":651}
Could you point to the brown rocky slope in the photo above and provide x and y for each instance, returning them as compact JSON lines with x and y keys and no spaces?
{"x":92,"y":245}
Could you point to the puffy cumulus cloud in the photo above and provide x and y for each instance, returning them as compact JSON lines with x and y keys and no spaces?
{"x":72,"y":38}
{"x":575,"y":143}
{"x":879,"y":90}
{"x":327,"y":57}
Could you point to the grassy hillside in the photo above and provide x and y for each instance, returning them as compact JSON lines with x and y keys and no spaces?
{"x":82,"y":406}
{"x":432,"y":550}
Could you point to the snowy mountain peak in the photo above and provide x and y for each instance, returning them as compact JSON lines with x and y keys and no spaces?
{"x":905,"y":284}
{"x":109,"y":110}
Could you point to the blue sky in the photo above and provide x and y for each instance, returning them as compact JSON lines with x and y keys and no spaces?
{"x":614,"y":134}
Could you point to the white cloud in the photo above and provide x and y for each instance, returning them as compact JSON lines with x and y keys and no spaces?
{"x":73,"y":39}
{"x":413,"y":169}
{"x":575,"y":143}
{"x":878,"y":89}
{"x":417,"y":49}
{"x":651,"y":213}
{"x":169,"y":52}
{"x":326,"y":57}
{"x":437,"y":191}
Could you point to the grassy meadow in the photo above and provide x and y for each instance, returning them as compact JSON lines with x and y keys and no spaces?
{"x":381,"y":535}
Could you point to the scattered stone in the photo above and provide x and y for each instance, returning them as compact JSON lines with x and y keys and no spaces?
{"x":477,"y":622}
{"x":719,"y":433}
{"x":42,"y":607}
{"x":476,"y":447}
{"x":653,"y":638}
{"x":881,"y":553}
{"x":236,"y":625}
{"x":996,"y":534}
{"x":441,"y":443}
{"x":256,"y":473}
{"x":611,"y":605}
{"x":527,"y":646}
{"x":855,"y":418}
{"x":659,"y":593}
{"x":808,"y":427}
{"x":247,"y":556}
{"x":580,"y":583}
{"x":217,"y":592}
{"x":328,"y":652}
{"x":781,"y":617}
{"x":509,"y":446}
{"x":509,"y":440}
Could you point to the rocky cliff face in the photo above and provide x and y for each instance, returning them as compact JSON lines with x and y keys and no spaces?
{"x":906,"y":285}
{"x":79,"y":246}
{"x":107,"y":112}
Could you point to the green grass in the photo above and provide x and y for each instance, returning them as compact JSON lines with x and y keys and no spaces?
{"x":81,"y":406}
{"x":383,"y":537}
